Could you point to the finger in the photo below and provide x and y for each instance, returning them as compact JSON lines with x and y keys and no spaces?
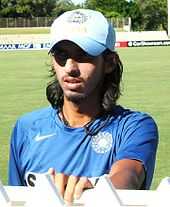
{"x":61,"y":181}
{"x":69,"y":191}
{"x":82,"y":184}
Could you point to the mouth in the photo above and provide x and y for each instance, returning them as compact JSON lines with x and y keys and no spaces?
{"x":72,"y":83}
{"x":72,"y":80}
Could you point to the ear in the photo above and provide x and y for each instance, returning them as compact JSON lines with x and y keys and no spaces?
{"x":109,"y":63}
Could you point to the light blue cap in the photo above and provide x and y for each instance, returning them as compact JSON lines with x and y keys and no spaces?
{"x":88,"y":29}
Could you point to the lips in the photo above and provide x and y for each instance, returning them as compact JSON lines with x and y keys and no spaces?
{"x":72,"y":80}
{"x":72,"y":83}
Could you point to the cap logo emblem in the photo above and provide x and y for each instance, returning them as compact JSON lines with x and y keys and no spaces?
{"x":78,"y":17}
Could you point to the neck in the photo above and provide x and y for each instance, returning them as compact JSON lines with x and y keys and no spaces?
{"x":79,"y":115}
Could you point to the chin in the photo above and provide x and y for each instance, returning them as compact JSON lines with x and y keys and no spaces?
{"x":76,"y":98}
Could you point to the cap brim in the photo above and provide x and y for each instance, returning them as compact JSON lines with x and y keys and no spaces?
{"x":89,"y":45}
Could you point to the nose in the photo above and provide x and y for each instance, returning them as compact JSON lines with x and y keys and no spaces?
{"x":71,"y":67}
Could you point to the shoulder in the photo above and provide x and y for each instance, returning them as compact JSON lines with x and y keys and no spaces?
{"x":39,"y":116}
{"x":131,"y":120}
{"x":31,"y":123}
{"x":129,"y":115}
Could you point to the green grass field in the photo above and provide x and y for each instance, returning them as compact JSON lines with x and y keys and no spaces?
{"x":146,"y":87}
{"x":24,"y":30}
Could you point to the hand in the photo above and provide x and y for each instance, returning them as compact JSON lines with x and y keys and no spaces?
{"x":70,"y":187}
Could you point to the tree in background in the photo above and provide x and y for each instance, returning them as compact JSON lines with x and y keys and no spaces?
{"x":136,"y":15}
{"x":145,"y":15}
{"x":153,"y":14}
{"x":118,"y":8}
{"x":27,"y":8}
{"x":8,"y":8}
{"x":62,"y":6}
{"x":110,"y":8}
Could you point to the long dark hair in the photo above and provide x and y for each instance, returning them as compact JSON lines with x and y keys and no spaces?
{"x":110,"y":91}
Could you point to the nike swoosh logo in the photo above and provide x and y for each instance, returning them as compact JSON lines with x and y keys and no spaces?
{"x":38,"y":137}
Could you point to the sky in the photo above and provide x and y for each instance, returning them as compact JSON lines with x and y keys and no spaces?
{"x":78,"y":1}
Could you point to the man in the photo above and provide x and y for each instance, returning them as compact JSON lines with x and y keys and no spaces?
{"x":84,"y":134}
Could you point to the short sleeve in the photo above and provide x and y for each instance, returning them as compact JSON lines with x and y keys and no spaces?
{"x":139,"y":141}
{"x":14,"y":168}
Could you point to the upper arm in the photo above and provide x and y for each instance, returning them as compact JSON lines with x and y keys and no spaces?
{"x":14,"y":168}
{"x":138,"y":146}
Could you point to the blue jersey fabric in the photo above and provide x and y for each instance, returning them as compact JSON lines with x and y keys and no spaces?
{"x":40,"y":140}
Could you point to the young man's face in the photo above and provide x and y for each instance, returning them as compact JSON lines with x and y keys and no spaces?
{"x":79,"y":74}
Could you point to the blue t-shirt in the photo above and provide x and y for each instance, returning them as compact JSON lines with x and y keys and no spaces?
{"x":40,"y":140}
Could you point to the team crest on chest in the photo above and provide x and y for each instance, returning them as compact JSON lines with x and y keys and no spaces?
{"x":102,"y":142}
